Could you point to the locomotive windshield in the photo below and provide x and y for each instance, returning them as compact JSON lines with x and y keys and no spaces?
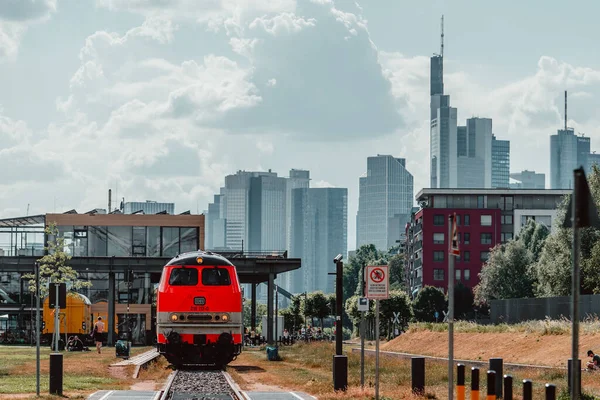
{"x":215,"y":277}
{"x":183,"y":277}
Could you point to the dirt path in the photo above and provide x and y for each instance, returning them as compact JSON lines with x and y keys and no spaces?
{"x":524,"y":348}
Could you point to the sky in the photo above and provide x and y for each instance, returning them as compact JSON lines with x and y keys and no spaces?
{"x":160,"y":99}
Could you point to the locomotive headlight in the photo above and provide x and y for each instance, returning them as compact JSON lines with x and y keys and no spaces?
{"x":174,"y":317}
{"x":225,"y":317}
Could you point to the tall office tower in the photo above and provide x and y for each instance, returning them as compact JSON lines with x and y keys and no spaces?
{"x":298,"y":179}
{"x":500,"y":163}
{"x":528,"y":180}
{"x":474,"y":155}
{"x":592,"y":159}
{"x":443,"y":130}
{"x":148,"y":207}
{"x":319,"y":233}
{"x":565,"y":156}
{"x":237,"y":207}
{"x":267,"y":217}
{"x":384,"y":203}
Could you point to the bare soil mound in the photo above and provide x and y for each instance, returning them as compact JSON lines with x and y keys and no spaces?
{"x":517,"y":347}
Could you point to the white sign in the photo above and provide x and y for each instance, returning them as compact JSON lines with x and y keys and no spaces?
{"x":377,"y":282}
{"x":363,"y":304}
{"x":396,"y":319}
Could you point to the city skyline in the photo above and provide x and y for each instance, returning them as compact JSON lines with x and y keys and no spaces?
{"x":126,"y":102}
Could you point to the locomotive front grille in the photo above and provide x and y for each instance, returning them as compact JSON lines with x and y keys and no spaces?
{"x":196,"y":317}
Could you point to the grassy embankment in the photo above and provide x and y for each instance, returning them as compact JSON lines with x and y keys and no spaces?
{"x":307,"y":368}
{"x":84,"y":372}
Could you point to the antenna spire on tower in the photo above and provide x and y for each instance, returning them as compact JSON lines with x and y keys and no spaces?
{"x":442,"y":38}
{"x":565,"y":110}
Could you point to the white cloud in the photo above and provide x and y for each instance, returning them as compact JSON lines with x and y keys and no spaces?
{"x":321,"y":184}
{"x":15,"y":18}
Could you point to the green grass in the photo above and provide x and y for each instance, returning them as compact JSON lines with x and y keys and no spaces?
{"x":543,"y":327}
{"x":27,"y":383}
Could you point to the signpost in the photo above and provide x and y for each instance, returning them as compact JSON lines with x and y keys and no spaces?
{"x":363,"y":307}
{"x":453,"y":251}
{"x":377,"y":289}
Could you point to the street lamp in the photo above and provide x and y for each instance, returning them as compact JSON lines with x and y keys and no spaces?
{"x":340,"y":362}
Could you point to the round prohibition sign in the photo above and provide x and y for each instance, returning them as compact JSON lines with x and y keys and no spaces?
{"x":377,"y":275}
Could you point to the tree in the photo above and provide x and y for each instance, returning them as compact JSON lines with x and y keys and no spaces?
{"x":533,"y":236}
{"x":54,"y":266}
{"x":498,"y":277}
{"x":396,"y":268}
{"x":296,"y":310}
{"x":429,"y":300}
{"x":332,"y":301}
{"x":398,"y":302}
{"x":320,"y":306}
{"x":553,"y":269}
{"x":261,"y":309}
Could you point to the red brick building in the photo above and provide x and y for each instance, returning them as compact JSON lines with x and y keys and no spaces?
{"x":486,"y":217}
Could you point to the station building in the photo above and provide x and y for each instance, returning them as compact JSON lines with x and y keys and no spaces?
{"x":122,"y":255}
{"x":485,"y":218}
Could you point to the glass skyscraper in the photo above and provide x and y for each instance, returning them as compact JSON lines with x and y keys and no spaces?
{"x":318,"y":234}
{"x":500,"y":163}
{"x":565,"y":156}
{"x":384,"y":203}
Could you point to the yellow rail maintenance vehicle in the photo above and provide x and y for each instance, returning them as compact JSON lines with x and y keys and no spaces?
{"x":75,"y":320}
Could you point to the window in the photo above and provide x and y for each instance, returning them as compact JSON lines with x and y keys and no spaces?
{"x":438,"y":256}
{"x":480,"y":201}
{"x":438,"y":220}
{"x":438,"y":274}
{"x":506,"y":220}
{"x":170,"y":242}
{"x":457,"y":274}
{"x":457,"y":219}
{"x":184,"y":277}
{"x":215,"y":277}
{"x":467,"y":238}
{"x":467,"y":220}
{"x":486,"y":220}
{"x":486,"y":238}
{"x":139,"y":241}
{"x":484,"y":256}
{"x":438,"y":238}
{"x":509,"y":202}
{"x":467,"y":274}
{"x":189,"y":239}
{"x":506,"y":236}
{"x":467,"y":256}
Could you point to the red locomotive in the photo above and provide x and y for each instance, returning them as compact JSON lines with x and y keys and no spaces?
{"x":199,"y":310}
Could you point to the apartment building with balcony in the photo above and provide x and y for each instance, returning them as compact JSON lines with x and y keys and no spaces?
{"x":485,"y":217}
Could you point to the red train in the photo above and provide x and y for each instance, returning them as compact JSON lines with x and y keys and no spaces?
{"x":199,"y":310}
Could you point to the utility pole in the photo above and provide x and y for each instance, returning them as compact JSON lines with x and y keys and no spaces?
{"x":340,"y":361}
{"x":37,"y":328}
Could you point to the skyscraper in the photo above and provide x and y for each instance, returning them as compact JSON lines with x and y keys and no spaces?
{"x":319,"y":233}
{"x":474,"y":155}
{"x":500,"y":163}
{"x":267,"y":213}
{"x":565,"y":156}
{"x":384,"y":203}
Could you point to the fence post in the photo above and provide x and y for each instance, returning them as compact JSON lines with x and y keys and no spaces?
{"x":491,"y":385}
{"x":474,"y":383}
{"x":508,"y":387}
{"x":418,"y":374}
{"x":460,"y":382}
{"x":527,"y":390}
{"x":496,"y":364}
{"x":550,"y":391}
{"x":569,"y":366}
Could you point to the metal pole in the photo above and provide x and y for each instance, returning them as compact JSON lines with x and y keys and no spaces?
{"x":276,"y":310}
{"x":362,"y":330}
{"x":339,"y":296}
{"x":575,"y":292}
{"x":56,"y":319}
{"x":450,"y":313}
{"x":37,"y":328}
{"x":377,"y":349}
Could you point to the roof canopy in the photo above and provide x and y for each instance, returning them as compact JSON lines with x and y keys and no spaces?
{"x":23,"y":221}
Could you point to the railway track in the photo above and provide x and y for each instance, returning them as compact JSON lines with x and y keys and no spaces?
{"x":201,"y":385}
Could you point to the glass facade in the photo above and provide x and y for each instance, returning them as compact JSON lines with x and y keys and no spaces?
{"x":500,"y":163}
{"x":385,"y":202}
{"x":148,"y":207}
{"x":567,"y":152}
{"x":128,"y":241}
